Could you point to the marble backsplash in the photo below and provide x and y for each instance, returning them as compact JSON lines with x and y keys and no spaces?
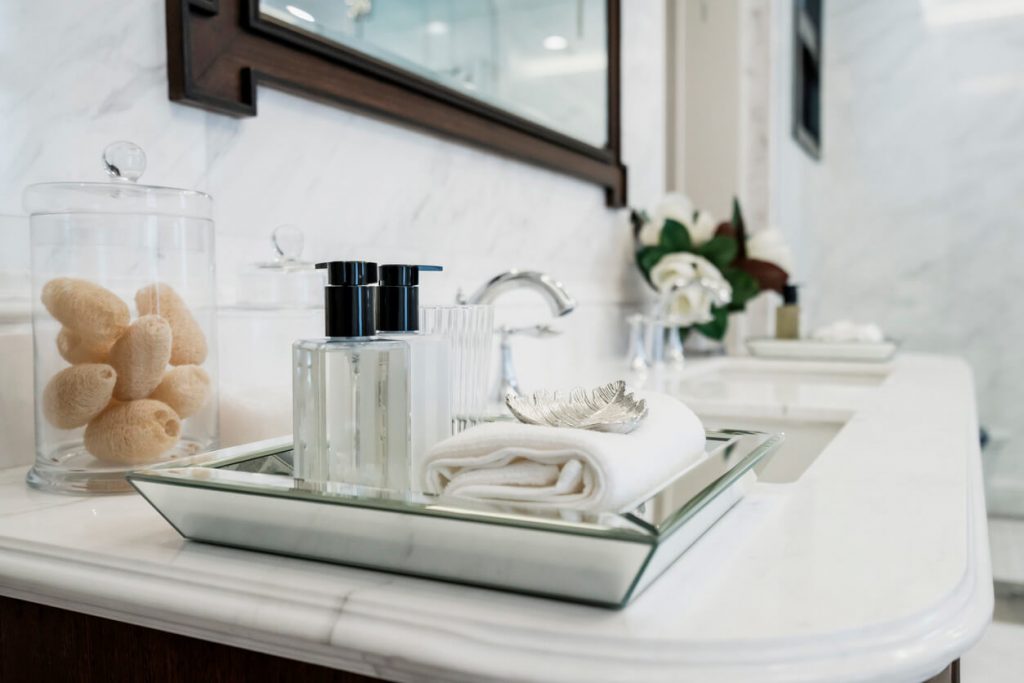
{"x":916,"y":201}
{"x":359,"y":187}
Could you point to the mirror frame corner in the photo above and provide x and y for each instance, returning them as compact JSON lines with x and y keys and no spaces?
{"x":219,"y":52}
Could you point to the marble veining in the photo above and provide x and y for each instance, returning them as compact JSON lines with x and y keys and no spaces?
{"x":359,"y":187}
{"x":915,"y":201}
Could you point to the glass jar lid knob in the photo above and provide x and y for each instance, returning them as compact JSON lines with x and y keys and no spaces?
{"x":288,"y":241}
{"x":124,"y":160}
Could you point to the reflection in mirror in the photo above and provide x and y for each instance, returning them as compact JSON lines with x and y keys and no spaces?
{"x":541,"y":60}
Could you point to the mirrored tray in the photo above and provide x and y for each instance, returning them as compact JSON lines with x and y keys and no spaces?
{"x":245,"y":497}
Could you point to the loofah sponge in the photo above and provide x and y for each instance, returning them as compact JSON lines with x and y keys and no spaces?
{"x":77,"y":394}
{"x":133,"y":433}
{"x":184,"y":389}
{"x":95,"y":314}
{"x":140,"y":356}
{"x":75,"y":350}
{"x":189,"y":341}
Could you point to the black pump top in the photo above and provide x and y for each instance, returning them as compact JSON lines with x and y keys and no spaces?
{"x":399,"y":309}
{"x":789,"y":294}
{"x":350,"y":273}
{"x":398,"y":275}
{"x":350,"y":298}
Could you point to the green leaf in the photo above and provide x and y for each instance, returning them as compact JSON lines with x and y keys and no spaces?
{"x":739,"y":228}
{"x":720,"y":250}
{"x":716,"y":328}
{"x":675,"y":237}
{"x":744,"y":287}
{"x":647,"y":257}
{"x":737,"y":216}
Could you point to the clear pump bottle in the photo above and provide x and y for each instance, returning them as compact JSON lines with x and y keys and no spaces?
{"x":350,"y":390}
{"x":429,"y":359}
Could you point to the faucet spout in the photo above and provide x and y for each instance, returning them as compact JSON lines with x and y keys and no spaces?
{"x":551,"y":289}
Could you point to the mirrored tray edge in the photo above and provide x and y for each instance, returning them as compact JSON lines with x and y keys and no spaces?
{"x":614,"y":556}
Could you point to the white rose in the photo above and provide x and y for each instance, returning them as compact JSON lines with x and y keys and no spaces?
{"x":674,"y":206}
{"x":770,"y":245}
{"x":650,"y":234}
{"x":683,"y":265}
{"x":702,"y":228}
{"x":689,"y":305}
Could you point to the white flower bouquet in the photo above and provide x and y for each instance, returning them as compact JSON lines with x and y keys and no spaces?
{"x":705,"y":270}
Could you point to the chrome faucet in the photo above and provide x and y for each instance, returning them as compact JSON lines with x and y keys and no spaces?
{"x":551,"y":289}
{"x":553,"y":292}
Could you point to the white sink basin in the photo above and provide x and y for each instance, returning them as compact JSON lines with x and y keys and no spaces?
{"x":805,"y":441}
{"x":777,"y":386}
{"x":809,"y":401}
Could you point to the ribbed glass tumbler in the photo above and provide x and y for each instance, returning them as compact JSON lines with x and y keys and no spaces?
{"x":469,"y":330}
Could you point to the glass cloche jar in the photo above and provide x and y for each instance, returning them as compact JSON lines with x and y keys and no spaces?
{"x":124,"y":326}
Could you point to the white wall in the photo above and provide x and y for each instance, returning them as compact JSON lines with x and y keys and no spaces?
{"x":707,"y":71}
{"x":789,"y":165}
{"x":914,"y":216}
{"x":719,"y":131}
{"x":77,"y":75}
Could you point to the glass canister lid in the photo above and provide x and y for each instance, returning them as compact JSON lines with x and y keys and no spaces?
{"x":124,"y":162}
{"x":286,"y":281}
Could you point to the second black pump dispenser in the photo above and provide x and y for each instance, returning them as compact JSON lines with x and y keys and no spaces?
{"x":398,"y":317}
{"x":399,"y":302}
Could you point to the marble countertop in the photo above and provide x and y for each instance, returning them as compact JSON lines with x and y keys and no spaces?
{"x":872,"y":566}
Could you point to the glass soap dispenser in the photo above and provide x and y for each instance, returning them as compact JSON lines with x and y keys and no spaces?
{"x":398,"y":317}
{"x":350,"y":390}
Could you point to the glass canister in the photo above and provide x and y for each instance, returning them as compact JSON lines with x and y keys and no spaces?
{"x":284,"y":282}
{"x":124,"y":326}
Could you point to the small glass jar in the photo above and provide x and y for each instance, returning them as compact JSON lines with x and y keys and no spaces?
{"x":285,"y":282}
{"x":278,"y":300}
{"x":124,"y":326}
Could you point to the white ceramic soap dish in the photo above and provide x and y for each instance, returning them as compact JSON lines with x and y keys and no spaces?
{"x":813,"y":349}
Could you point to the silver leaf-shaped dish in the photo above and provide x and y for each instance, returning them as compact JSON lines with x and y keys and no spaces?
{"x":606,"y":409}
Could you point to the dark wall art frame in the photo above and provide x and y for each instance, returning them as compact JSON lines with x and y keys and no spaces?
{"x":219,"y":51}
{"x":807,"y":75}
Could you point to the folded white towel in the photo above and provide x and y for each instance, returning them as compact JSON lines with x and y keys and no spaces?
{"x":848,"y":331}
{"x":558,"y":467}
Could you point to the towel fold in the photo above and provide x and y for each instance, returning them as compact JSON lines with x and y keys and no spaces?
{"x":558,"y":467}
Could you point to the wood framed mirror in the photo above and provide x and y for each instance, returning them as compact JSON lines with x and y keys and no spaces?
{"x":537,"y":80}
